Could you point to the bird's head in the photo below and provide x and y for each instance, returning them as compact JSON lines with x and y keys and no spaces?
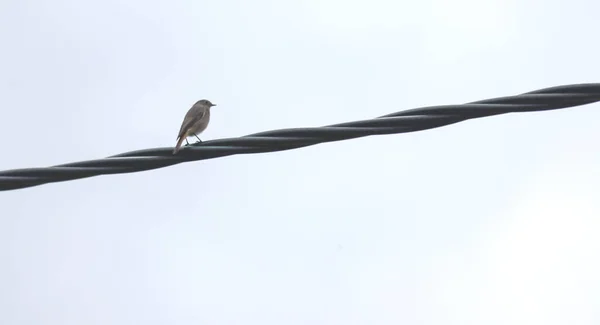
{"x":205,"y":102}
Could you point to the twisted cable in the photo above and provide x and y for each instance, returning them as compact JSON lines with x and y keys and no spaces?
{"x":285,"y":139}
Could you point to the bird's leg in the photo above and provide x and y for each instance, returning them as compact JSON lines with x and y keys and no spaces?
{"x":197,"y":137}
{"x":186,"y":142}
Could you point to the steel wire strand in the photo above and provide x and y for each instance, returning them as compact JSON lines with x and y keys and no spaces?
{"x":412,"y":120}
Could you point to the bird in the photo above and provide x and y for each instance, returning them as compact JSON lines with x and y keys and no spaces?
{"x":195,"y":121}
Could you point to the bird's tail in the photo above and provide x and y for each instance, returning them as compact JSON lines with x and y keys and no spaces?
{"x":178,"y":145}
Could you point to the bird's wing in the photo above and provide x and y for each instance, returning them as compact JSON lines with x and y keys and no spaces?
{"x":195,"y":114}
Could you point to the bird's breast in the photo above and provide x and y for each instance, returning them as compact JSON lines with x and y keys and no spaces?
{"x":201,"y":125}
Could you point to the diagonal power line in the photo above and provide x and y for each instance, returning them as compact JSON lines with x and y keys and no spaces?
{"x":278,"y":140}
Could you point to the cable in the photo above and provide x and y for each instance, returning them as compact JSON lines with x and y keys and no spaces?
{"x":285,"y":139}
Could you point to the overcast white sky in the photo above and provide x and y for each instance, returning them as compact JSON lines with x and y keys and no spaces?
{"x":489,"y":221}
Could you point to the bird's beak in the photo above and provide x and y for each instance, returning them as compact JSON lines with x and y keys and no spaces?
{"x":214,"y":104}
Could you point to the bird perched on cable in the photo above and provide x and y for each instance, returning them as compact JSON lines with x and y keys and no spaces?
{"x":195,"y":121}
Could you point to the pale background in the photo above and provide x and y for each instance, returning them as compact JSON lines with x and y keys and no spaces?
{"x":490,"y":221}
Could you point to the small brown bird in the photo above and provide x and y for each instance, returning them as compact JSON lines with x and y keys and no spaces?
{"x":195,"y":121}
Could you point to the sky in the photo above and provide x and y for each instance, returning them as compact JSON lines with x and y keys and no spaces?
{"x":488,"y":221}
